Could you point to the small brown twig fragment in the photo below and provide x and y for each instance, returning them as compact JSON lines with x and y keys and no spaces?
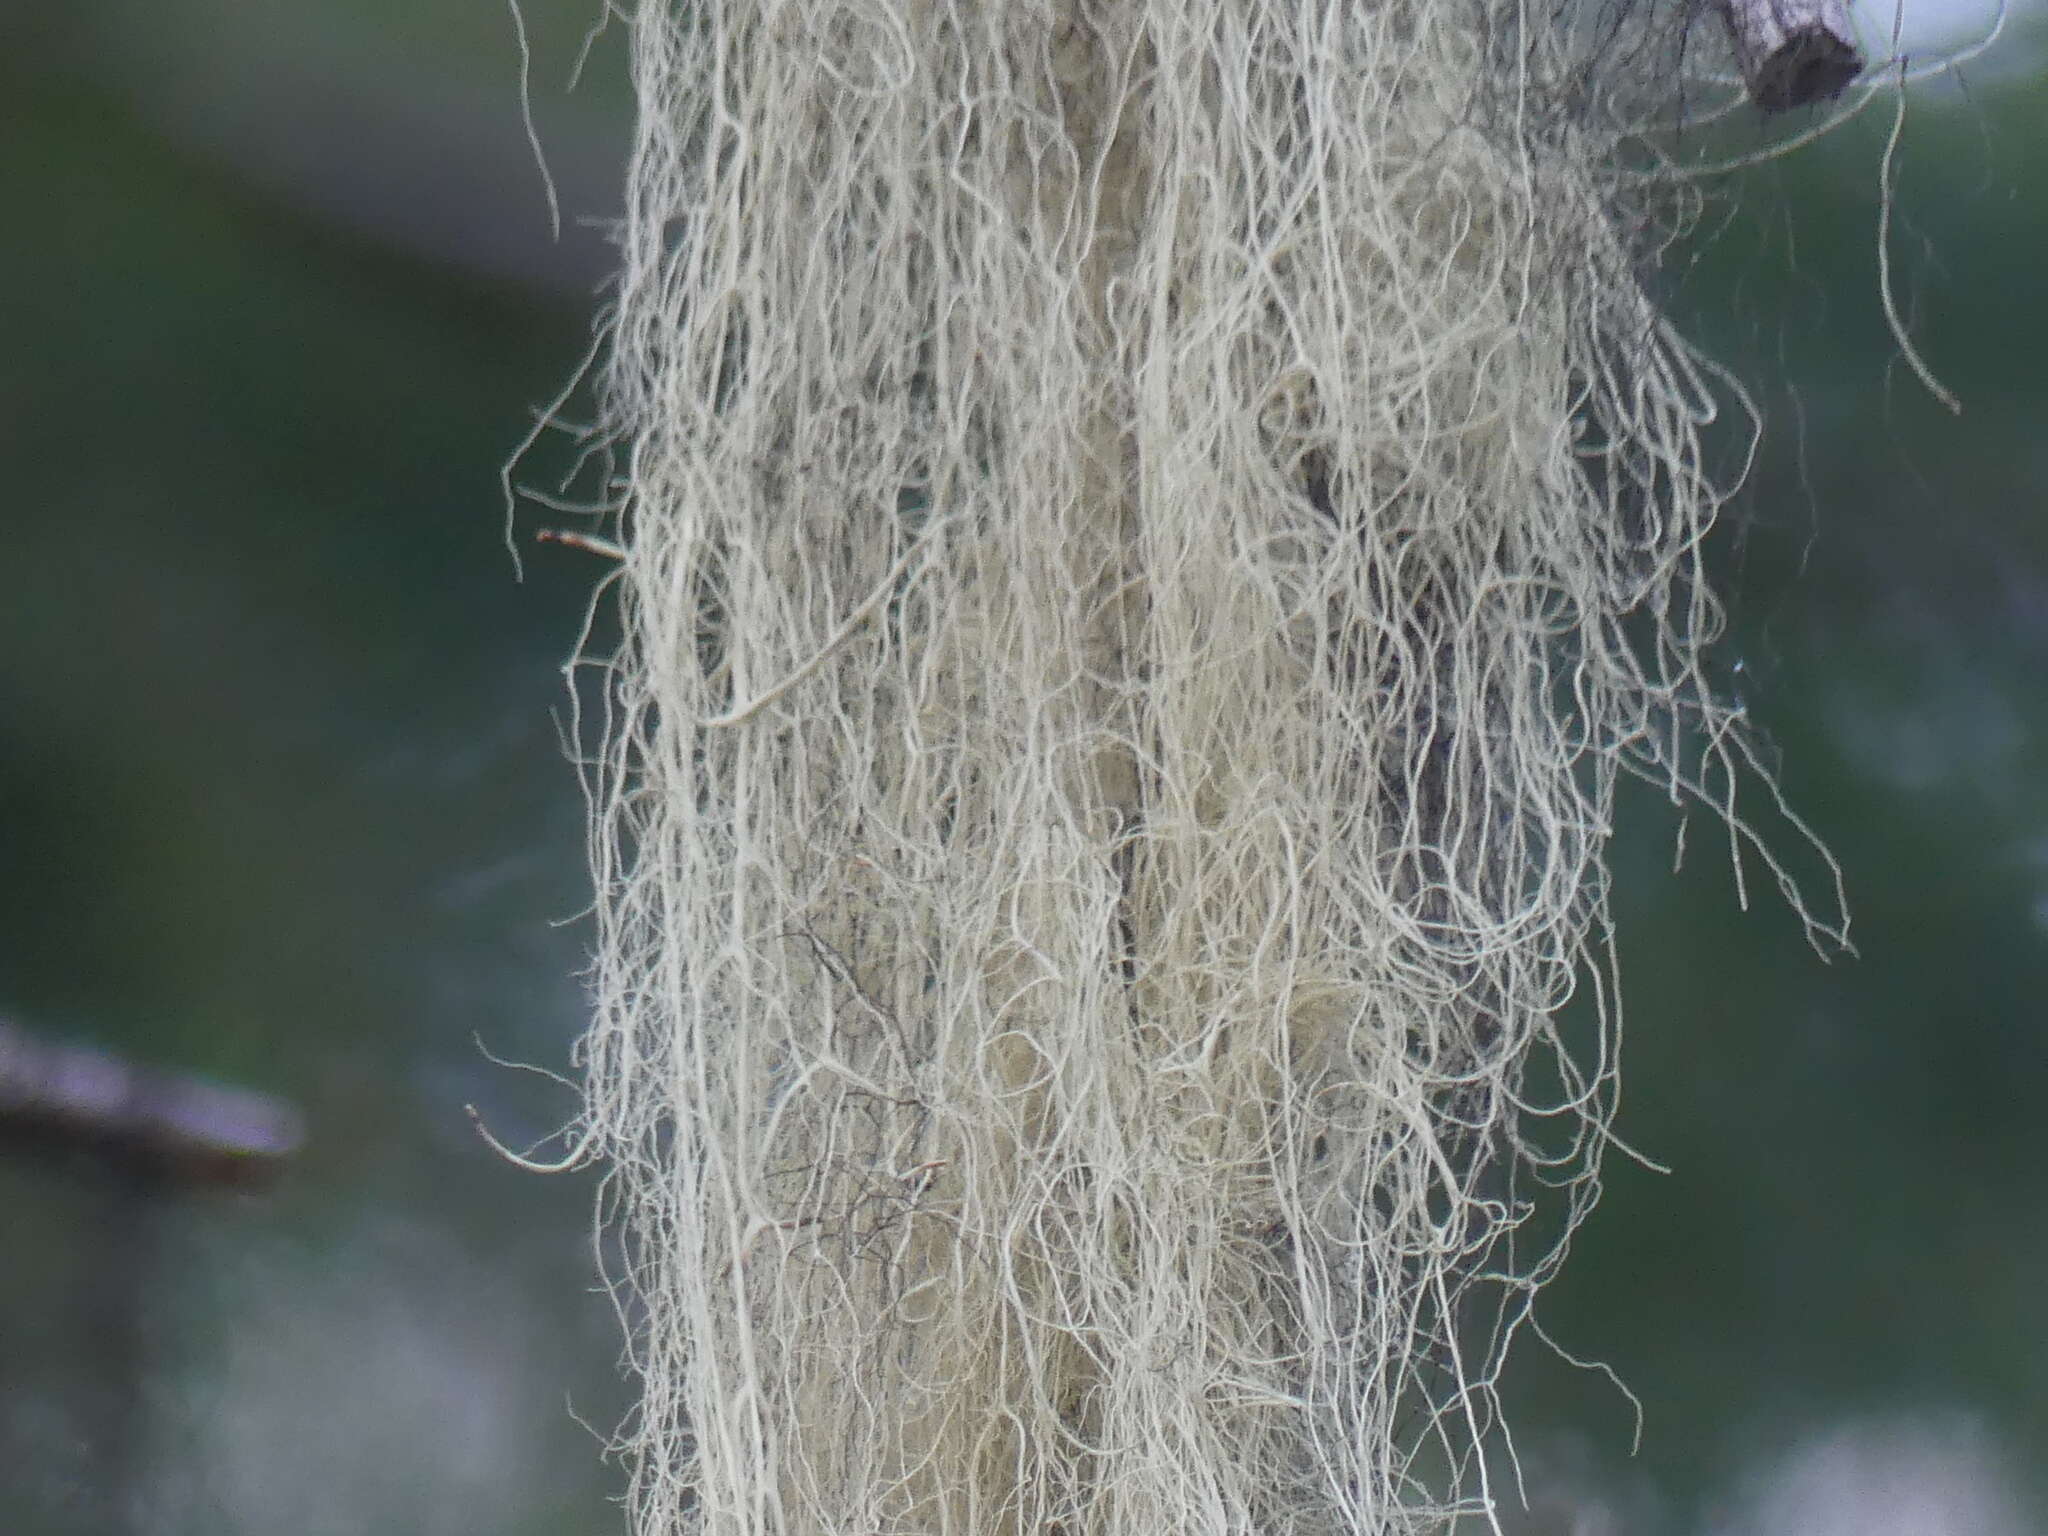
{"x":1792,"y":52}
{"x":589,"y":543}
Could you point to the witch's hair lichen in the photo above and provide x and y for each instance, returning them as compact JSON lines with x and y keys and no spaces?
{"x":1151,"y":529}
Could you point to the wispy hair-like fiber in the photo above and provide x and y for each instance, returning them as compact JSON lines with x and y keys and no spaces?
{"x":1151,"y":529}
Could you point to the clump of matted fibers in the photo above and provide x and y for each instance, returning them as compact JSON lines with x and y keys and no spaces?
{"x":1151,"y":528}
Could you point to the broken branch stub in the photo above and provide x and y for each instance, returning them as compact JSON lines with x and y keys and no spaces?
{"x":1792,"y":52}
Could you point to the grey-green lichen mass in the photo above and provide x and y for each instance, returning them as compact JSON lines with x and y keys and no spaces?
{"x":1150,"y":532}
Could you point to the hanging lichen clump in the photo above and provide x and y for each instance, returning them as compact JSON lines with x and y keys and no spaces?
{"x":1150,"y":529}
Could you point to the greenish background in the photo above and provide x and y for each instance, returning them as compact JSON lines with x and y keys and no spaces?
{"x":283,"y":801}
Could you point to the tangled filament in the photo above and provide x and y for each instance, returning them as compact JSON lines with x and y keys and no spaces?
{"x":1153,"y":527}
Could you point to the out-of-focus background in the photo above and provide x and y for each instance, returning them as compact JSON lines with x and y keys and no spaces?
{"x":283,"y":805}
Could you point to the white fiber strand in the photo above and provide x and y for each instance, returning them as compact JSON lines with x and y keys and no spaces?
{"x":1152,"y":529}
